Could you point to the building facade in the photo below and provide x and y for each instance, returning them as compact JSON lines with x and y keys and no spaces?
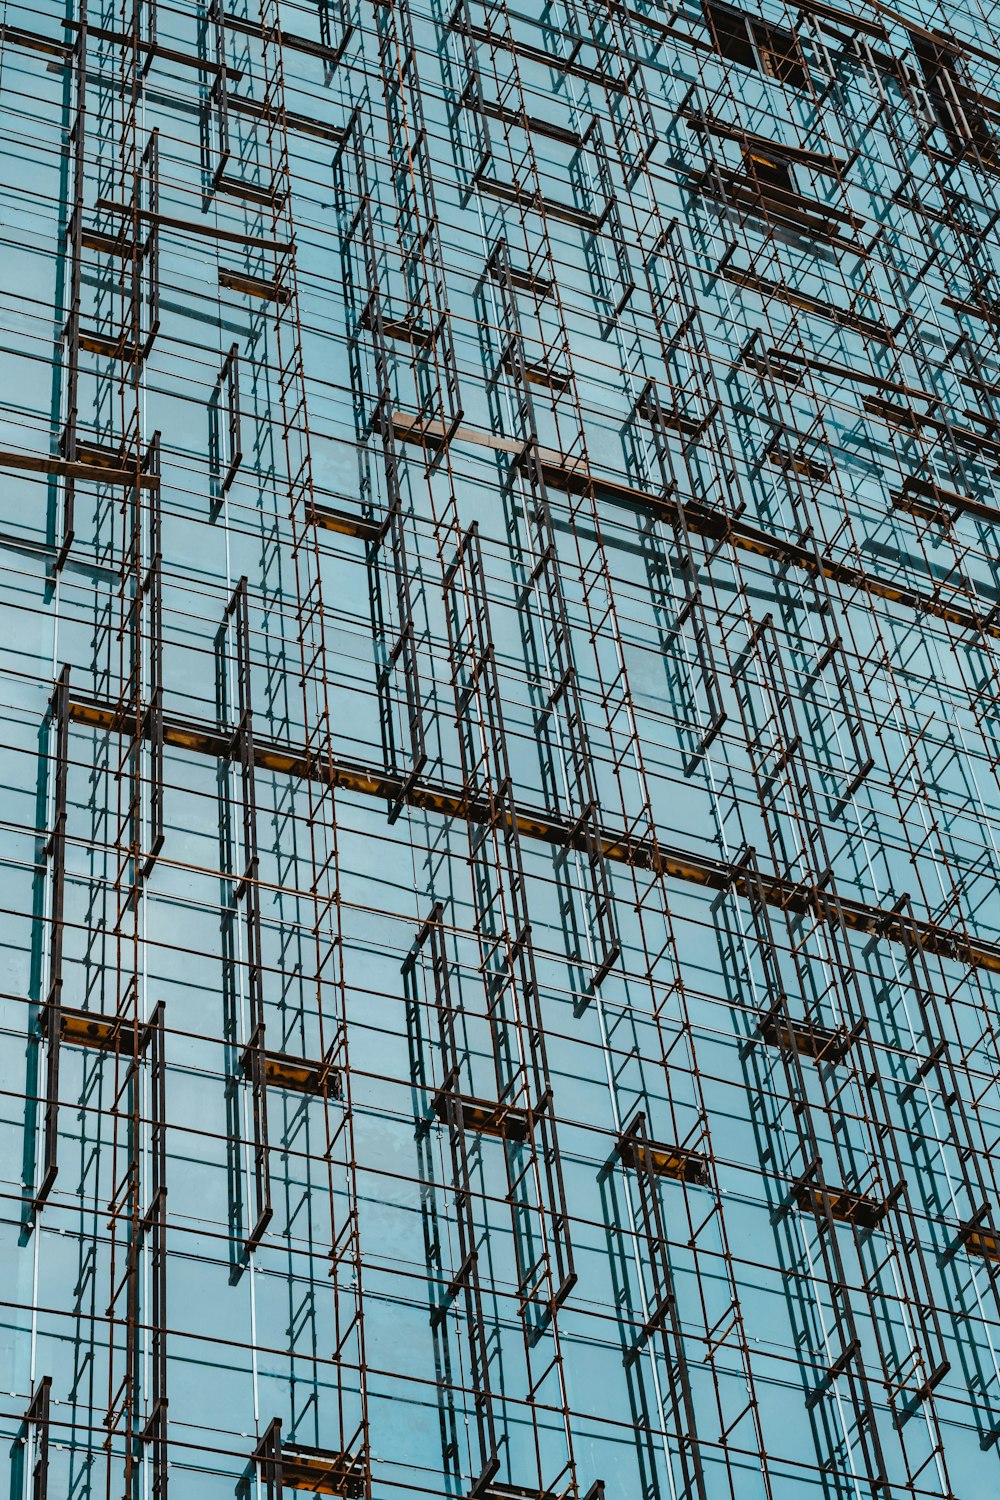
{"x":501,"y":750}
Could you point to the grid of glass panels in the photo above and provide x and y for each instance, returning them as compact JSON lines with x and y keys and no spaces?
{"x":501,"y":750}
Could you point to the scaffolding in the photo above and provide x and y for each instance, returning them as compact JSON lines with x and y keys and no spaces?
{"x":518,"y":559}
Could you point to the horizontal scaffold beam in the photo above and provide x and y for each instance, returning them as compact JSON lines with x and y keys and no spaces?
{"x":573,"y":476}
{"x":532,"y":823}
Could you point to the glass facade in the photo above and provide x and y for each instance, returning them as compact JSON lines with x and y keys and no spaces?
{"x":501,"y":750}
